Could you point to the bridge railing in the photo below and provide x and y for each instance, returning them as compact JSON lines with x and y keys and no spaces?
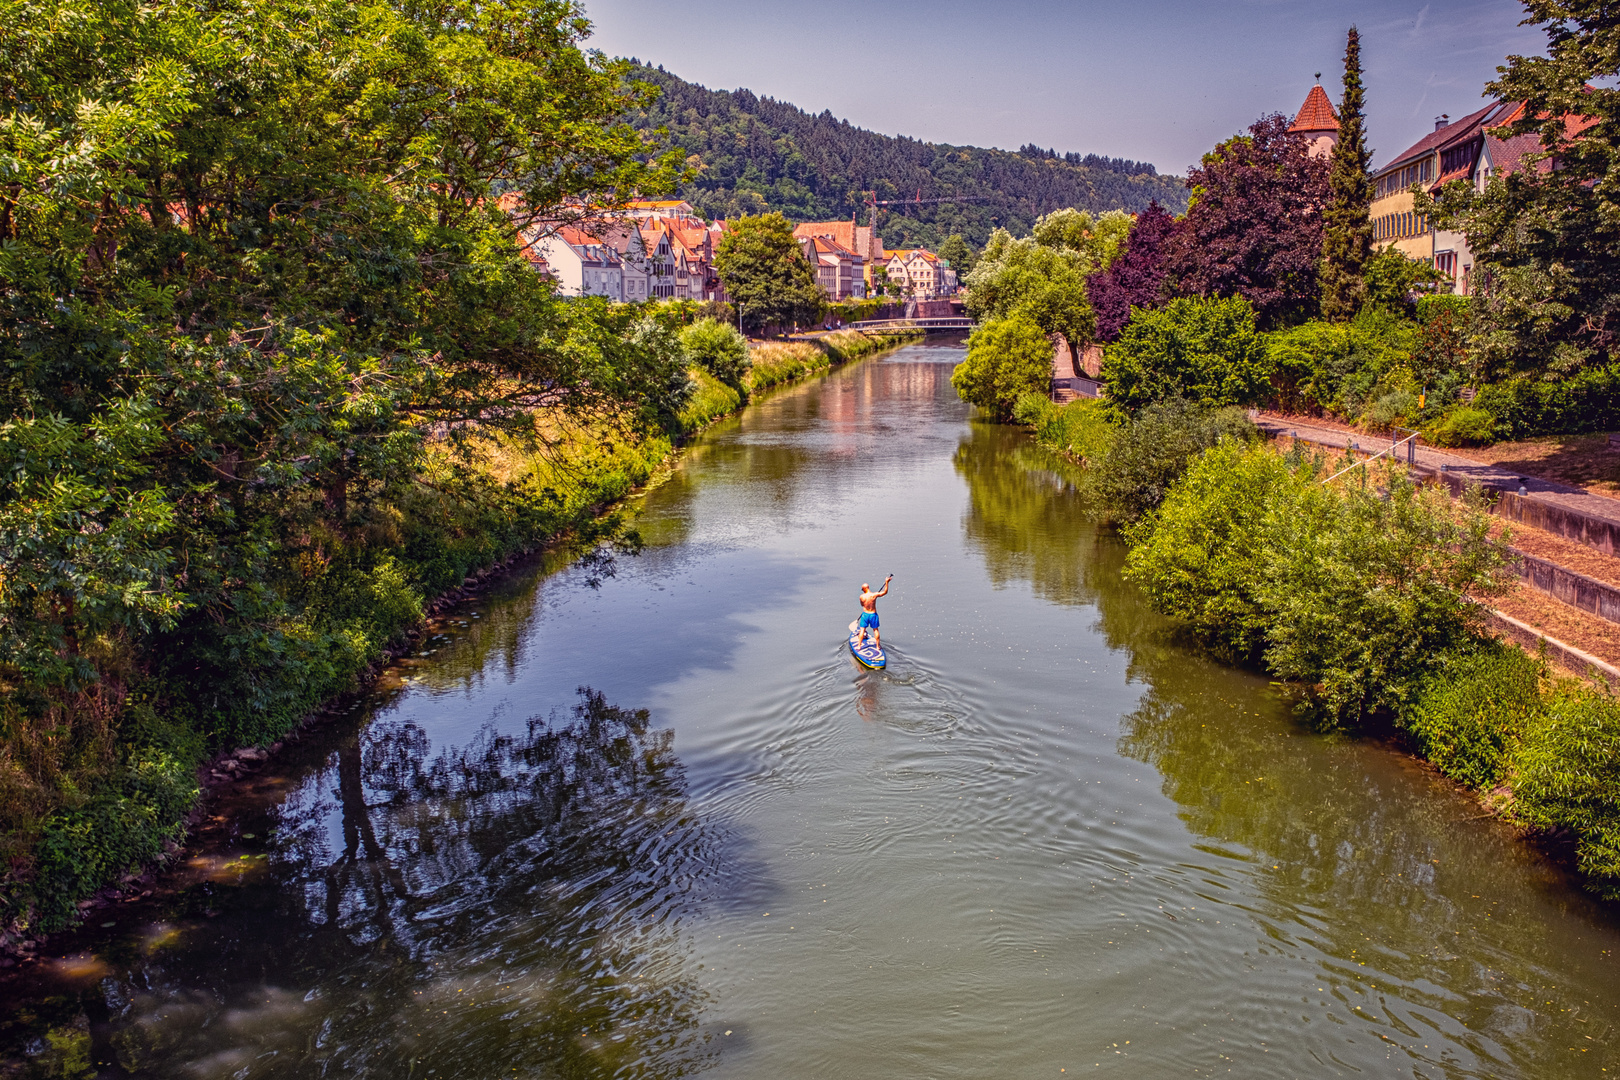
{"x":943,"y":323}
{"x":1082,"y":385}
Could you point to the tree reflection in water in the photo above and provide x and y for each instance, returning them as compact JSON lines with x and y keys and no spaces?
{"x":507,"y":908}
{"x":1024,"y":514}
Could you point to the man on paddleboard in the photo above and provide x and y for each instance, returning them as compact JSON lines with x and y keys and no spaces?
{"x":869,"y":619}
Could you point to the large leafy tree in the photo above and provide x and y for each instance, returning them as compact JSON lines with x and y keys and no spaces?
{"x":959,"y":253}
{"x":1254,"y":228}
{"x":1006,"y":359}
{"x":1347,"y":225}
{"x":1041,"y":278}
{"x":1136,"y":278}
{"x":255,"y":257}
{"x":766,"y":273}
{"x":1546,"y":237}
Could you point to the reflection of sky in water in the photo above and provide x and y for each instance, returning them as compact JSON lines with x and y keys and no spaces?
{"x":1047,"y":837}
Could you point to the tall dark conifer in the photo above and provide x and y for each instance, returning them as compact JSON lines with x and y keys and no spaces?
{"x":1347,"y":226}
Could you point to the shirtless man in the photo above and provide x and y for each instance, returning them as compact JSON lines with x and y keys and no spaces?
{"x":869,"y":619}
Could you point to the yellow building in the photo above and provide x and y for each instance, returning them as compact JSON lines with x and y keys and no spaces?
{"x":1450,"y":152}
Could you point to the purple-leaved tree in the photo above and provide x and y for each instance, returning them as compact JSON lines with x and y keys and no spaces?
{"x":1254,"y":228}
{"x":1136,"y":278}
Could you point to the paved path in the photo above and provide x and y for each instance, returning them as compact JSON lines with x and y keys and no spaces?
{"x":1489,"y":477}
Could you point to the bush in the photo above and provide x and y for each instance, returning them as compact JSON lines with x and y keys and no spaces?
{"x":717,"y":348}
{"x":1469,"y":711}
{"x":1149,"y":454}
{"x":1462,"y":426}
{"x":1369,"y":589}
{"x":1083,"y":429}
{"x":1201,"y":557}
{"x":1394,"y":279}
{"x":713,"y":398}
{"x":1568,"y":777}
{"x":1204,"y":350}
{"x":1006,"y":359}
{"x":1525,"y":407}
{"x":1337,"y":367}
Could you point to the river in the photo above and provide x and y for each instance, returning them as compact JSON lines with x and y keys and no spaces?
{"x":653,"y":821}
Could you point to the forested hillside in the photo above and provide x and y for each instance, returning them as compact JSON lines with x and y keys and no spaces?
{"x":755,"y":154}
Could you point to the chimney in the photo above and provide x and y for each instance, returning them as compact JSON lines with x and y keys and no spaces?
{"x":1441,"y":121}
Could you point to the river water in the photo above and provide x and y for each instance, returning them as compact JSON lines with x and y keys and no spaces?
{"x":658,"y":823}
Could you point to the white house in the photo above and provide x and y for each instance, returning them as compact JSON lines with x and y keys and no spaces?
{"x":582,"y":264}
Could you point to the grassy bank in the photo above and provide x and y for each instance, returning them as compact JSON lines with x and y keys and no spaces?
{"x":1362,"y":593}
{"x":776,"y":363}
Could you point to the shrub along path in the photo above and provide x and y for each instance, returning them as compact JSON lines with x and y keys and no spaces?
{"x":1492,"y":477}
{"x":1550,"y":617}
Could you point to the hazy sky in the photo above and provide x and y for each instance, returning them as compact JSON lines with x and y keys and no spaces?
{"x":1153,"y":80}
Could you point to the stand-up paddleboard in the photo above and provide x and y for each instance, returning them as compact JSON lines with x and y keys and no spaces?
{"x":868,"y":655}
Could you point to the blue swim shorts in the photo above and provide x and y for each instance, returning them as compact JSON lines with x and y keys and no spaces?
{"x":868,"y":621}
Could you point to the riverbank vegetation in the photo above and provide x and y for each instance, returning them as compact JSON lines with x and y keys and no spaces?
{"x":1363,"y":593}
{"x":277,"y":371}
{"x":769,"y":364}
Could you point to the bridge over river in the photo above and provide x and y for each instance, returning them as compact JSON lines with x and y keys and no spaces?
{"x":934,"y":325}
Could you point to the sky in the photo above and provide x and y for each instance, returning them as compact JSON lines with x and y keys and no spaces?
{"x":1150,"y":80}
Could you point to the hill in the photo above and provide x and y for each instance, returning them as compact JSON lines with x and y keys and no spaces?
{"x":756,"y":154}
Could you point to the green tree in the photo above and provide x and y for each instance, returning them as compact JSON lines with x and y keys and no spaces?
{"x":1032,"y":282}
{"x":1042,"y":278}
{"x":251,"y":256}
{"x":1205,"y":350}
{"x":1202,"y":556}
{"x":1346,"y":224}
{"x":764,"y":270}
{"x":1367,"y":591}
{"x":1006,"y":358}
{"x":959,"y":253}
{"x":1097,"y":241}
{"x":1544,"y":237}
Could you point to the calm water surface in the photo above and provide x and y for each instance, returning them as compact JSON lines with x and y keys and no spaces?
{"x":665,"y":826}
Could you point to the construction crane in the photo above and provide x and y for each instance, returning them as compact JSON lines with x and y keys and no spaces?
{"x":873,"y":202}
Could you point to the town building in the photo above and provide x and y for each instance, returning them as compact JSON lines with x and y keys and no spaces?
{"x":651,"y":251}
{"x":1317,"y":121}
{"x":658,"y":208}
{"x":678,"y":248}
{"x":581,"y":264}
{"x":1450,"y":152}
{"x":860,"y":239}
{"x":920,"y":273}
{"x":646,"y":259}
{"x":840,"y":272}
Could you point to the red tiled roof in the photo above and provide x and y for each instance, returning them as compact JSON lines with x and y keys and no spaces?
{"x":841,"y":231}
{"x":829,"y":245}
{"x":1316,"y":114}
{"x":1466,"y":128}
{"x":1507,"y":155}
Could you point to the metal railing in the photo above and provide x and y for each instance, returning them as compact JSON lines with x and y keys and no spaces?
{"x":1410,"y":442}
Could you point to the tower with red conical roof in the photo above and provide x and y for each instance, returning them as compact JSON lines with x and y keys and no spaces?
{"x":1317,"y":121}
